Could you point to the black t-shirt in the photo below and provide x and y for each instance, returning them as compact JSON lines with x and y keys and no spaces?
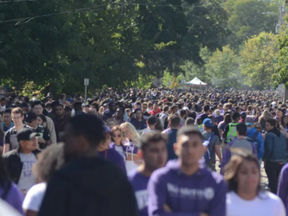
{"x":10,"y":137}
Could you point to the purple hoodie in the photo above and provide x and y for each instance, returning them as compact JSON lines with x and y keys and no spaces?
{"x":113,"y":156}
{"x":14,"y":197}
{"x":203,"y":192}
{"x":139,"y":183}
{"x":283,"y":187}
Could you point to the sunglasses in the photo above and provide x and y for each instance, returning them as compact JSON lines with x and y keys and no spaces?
{"x":119,"y":135}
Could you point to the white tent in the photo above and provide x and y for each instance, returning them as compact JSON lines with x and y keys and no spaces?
{"x":196,"y":82}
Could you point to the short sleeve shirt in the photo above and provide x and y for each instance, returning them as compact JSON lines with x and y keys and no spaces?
{"x":10,"y":137}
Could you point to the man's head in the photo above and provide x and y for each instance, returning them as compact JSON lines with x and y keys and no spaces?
{"x":144,"y":107}
{"x":27,"y":140}
{"x":190,"y":122}
{"x":31,"y":119}
{"x":37,"y":107}
{"x":155,"y":106}
{"x":151,"y":121}
{"x":59,"y":110}
{"x":174,"y":121}
{"x":17,"y":116}
{"x":206,"y":108}
{"x":2,"y":101}
{"x":183,"y":113}
{"x":138,"y":113}
{"x":208,"y":124}
{"x":235,"y":116}
{"x":7,"y":116}
{"x":153,"y":150}
{"x":241,"y":129}
{"x":189,"y":146}
{"x":82,"y":135}
{"x":166,"y":109}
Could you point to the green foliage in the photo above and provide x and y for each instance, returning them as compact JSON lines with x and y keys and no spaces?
{"x":257,"y":60}
{"x":281,"y":75}
{"x":112,"y":43}
{"x":248,"y":18}
{"x":223,"y":69}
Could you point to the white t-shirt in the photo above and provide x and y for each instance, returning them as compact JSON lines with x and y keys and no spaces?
{"x":6,"y":209}
{"x":120,"y":150}
{"x":265,"y":204}
{"x":34,"y":197}
{"x":27,"y":179}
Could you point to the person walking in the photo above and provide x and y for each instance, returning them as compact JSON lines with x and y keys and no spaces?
{"x":245,"y":196}
{"x":274,"y":153}
{"x":87,"y":185}
{"x":20,"y":161}
{"x":153,"y":153}
{"x":186,"y":186}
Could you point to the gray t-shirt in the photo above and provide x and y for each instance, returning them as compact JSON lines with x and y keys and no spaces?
{"x":27,"y":179}
{"x":242,"y":143}
{"x":215,"y":141}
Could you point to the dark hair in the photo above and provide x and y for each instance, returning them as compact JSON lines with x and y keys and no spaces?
{"x":174,"y":120}
{"x":235,"y":116}
{"x":89,"y":126}
{"x":166,"y":108}
{"x":42,"y":117}
{"x":151,"y":137}
{"x":242,"y":129}
{"x":58,"y":104}
{"x":227,"y":119}
{"x":7,"y":111}
{"x":35,"y":103}
{"x":48,"y":161}
{"x":189,"y":130}
{"x":272,"y":122}
{"x":206,"y":108}
{"x":232,"y":168}
{"x":192,"y":115}
{"x":4,"y":177}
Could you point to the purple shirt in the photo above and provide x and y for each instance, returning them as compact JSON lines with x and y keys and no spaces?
{"x":203,"y":192}
{"x":14,"y":197}
{"x":139,"y":183}
{"x":113,"y":156}
{"x":283,"y":187}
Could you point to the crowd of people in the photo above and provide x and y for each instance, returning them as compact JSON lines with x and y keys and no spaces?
{"x":144,"y":152}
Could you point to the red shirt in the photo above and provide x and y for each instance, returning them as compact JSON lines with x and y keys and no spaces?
{"x":152,"y":112}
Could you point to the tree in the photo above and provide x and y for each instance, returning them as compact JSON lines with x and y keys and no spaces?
{"x":223,"y":69}
{"x":248,"y":18}
{"x":258,"y":58}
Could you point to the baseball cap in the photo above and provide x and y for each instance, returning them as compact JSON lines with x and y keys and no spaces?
{"x":208,"y":123}
{"x":30,"y":117}
{"x":25,"y":134}
{"x":249,"y":121}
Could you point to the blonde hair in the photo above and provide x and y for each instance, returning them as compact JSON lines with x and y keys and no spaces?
{"x":135,"y":136}
{"x":265,"y":116}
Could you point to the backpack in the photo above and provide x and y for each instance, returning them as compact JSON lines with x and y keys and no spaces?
{"x":254,"y":140}
{"x":207,"y":155}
